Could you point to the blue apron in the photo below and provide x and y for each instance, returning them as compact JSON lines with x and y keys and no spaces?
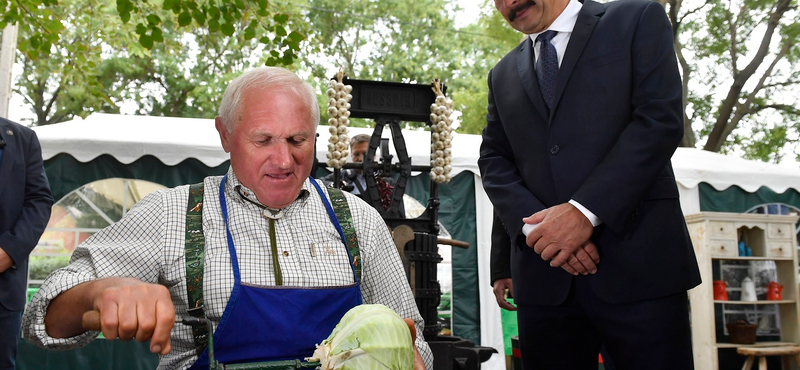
{"x":274,"y":323}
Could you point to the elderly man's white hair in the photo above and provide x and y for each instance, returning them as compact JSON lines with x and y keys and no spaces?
{"x":268,"y":78}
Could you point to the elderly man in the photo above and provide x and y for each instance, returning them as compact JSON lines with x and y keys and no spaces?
{"x":261,"y":250}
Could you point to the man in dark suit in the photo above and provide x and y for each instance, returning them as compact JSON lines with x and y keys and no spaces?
{"x":353,"y":180}
{"x":583,"y":118}
{"x":25,"y":203}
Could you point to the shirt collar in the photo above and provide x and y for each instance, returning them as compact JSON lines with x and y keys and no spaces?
{"x":565,"y":21}
{"x":247,"y":195}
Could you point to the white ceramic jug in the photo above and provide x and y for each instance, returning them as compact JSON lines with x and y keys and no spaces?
{"x":748,"y":290}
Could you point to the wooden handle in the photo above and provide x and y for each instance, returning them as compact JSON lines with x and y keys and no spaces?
{"x":453,"y":242}
{"x":91,"y":320}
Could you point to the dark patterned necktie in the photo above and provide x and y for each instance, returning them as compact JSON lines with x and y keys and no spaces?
{"x":547,"y":66}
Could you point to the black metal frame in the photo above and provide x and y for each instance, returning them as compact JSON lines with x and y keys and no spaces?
{"x":389,"y":103}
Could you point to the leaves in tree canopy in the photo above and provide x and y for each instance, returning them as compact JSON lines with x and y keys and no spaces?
{"x":164,"y":68}
{"x":223,"y":17}
{"x":742,"y":85}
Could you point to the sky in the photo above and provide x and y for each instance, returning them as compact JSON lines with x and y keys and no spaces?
{"x":469,"y":13}
{"x":16,"y":108}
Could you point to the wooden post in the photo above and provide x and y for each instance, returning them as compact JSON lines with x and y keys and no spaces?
{"x":7,"y":52}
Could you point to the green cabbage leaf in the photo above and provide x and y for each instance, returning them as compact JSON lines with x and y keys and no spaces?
{"x":368,"y":337}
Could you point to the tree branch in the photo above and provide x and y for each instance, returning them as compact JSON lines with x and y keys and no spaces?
{"x":739,"y":17}
{"x":695,"y":10}
{"x":31,"y":17}
{"x":733,"y":51}
{"x":783,"y":84}
{"x":674,"y":8}
{"x":53,"y":100}
{"x":788,"y":108}
{"x":746,"y":107}
{"x":689,"y":138}
{"x":718,"y":134}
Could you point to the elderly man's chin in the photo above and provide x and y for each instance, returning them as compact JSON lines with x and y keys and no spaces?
{"x":278,"y":191}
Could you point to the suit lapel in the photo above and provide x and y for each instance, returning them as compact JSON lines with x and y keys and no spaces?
{"x":587,"y":18}
{"x":8,"y":156}
{"x":528,"y":77}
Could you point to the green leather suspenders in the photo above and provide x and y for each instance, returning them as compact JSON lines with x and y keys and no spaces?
{"x":342,"y":212}
{"x":195,"y":253}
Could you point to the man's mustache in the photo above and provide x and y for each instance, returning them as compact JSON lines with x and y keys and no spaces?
{"x":513,"y":13}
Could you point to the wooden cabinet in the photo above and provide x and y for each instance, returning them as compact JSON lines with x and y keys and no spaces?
{"x":715,"y":236}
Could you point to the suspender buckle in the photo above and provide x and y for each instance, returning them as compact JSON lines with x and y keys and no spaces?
{"x":196,"y":312}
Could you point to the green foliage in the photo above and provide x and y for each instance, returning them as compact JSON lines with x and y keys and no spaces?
{"x":76,"y":88}
{"x":187,"y":76}
{"x":112,"y":51}
{"x":470,"y":96}
{"x":41,"y":266}
{"x":743,"y":88}
{"x":412,"y":42}
{"x":40,"y":16}
{"x":791,"y":33}
{"x":766,"y":143}
{"x":46,"y":23}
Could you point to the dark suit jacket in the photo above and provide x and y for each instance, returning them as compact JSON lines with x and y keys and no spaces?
{"x":25,"y":203}
{"x":351,"y":183}
{"x":500,"y":258}
{"x":607,"y":143}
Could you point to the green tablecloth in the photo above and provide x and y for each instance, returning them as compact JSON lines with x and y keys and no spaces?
{"x":509,"y":322}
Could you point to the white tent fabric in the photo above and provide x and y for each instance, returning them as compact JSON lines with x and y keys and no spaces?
{"x":693,"y":166}
{"x":173,"y":140}
{"x":128,"y":138}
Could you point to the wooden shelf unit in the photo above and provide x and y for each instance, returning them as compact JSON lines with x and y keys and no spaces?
{"x":715,"y":236}
{"x":783,"y":301}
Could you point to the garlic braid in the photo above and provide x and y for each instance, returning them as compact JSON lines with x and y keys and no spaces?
{"x":441,"y":136}
{"x":339,"y":112}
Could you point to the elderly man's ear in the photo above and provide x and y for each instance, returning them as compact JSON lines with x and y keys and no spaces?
{"x":224,"y":135}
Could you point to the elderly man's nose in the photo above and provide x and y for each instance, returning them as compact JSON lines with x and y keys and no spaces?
{"x":281,"y":155}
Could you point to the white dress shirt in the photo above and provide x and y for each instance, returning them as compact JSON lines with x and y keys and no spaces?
{"x":563,"y":25}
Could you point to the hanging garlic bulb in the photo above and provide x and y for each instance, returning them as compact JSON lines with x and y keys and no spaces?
{"x":441,"y":136}
{"x":338,"y":110}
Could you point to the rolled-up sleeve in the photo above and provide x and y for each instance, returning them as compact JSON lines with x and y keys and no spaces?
{"x":131,"y":247}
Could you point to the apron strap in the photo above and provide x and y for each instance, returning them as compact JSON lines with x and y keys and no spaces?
{"x":342,"y":211}
{"x":194,"y":254}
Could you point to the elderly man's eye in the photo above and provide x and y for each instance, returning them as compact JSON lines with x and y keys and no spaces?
{"x":297,"y":140}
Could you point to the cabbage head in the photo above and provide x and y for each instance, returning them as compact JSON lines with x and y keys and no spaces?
{"x":369,"y":337}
